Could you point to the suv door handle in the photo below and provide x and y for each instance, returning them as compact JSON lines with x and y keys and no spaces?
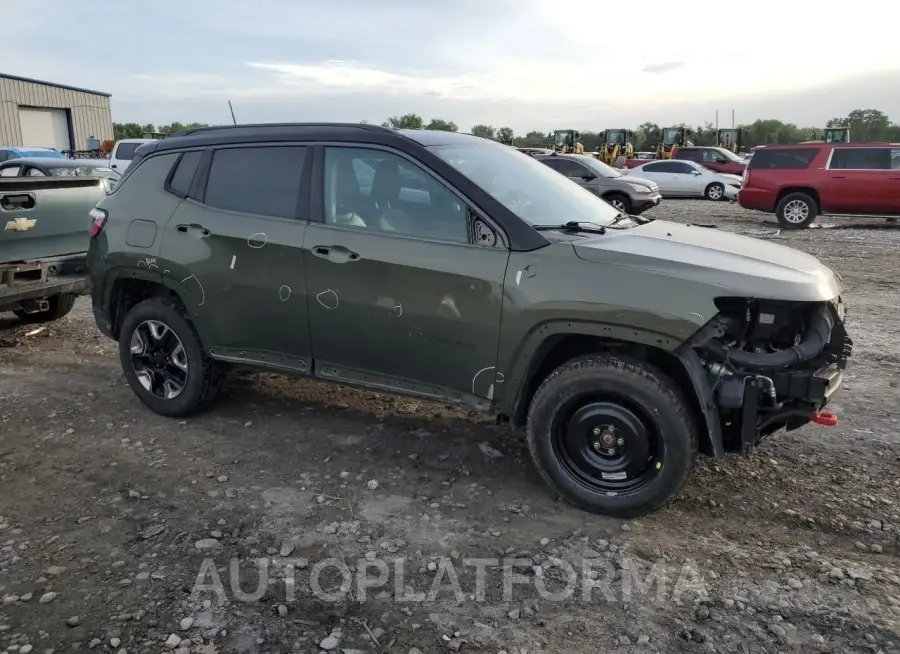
{"x":838,"y":177}
{"x":336,"y":253}
{"x":193,"y":227}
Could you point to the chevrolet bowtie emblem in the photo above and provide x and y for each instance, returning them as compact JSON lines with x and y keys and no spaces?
{"x":20,"y":224}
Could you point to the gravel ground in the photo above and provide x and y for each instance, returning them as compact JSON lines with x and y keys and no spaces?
{"x":110,"y":515}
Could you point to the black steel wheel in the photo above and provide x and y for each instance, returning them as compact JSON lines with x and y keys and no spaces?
{"x":607,"y":443}
{"x":612,"y":435}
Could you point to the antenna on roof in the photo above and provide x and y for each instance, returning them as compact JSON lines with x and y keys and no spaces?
{"x":231,"y":109}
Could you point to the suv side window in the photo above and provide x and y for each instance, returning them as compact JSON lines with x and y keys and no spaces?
{"x":783,"y":159}
{"x":711,"y":156}
{"x":568,"y":167}
{"x":895,"y":159}
{"x":183,"y":175}
{"x":860,"y":159}
{"x":689,"y":154}
{"x":10,"y":171}
{"x":385,"y":193}
{"x":4,"y":155}
{"x":262,"y":180}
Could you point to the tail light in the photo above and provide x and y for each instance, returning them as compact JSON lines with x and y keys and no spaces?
{"x":98,"y":221}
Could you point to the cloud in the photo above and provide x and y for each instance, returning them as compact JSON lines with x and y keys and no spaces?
{"x":518,"y":62}
{"x":663,"y":67}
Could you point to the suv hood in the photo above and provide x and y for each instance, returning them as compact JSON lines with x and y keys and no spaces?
{"x":739,"y":265}
{"x":635,"y":179}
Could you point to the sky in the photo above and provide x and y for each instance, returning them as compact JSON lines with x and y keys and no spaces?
{"x":527,"y":64}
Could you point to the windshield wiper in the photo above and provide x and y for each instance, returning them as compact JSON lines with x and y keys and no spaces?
{"x":573,"y":226}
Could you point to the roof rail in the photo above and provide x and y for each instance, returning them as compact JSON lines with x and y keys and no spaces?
{"x":214,"y":128}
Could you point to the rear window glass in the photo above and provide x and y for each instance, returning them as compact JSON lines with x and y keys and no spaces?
{"x":790,"y":159}
{"x":184,"y":172}
{"x":126,"y":150}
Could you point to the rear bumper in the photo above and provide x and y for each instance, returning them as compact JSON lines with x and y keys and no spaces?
{"x":31,"y":280}
{"x":756,"y":199}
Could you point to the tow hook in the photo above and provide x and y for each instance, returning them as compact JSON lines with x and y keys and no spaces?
{"x":825,"y":418}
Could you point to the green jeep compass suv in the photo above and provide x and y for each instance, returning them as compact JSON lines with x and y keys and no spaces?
{"x":452,"y":268}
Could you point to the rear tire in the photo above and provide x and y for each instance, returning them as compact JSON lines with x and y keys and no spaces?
{"x":179,"y":354}
{"x":612,"y":435}
{"x":620,"y":202}
{"x":715,"y":192}
{"x":796,"y":211}
{"x":60,"y":305}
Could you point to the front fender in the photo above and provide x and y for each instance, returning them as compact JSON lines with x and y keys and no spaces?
{"x":520,"y":360}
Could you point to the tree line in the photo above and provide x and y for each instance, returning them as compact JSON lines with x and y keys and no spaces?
{"x":864,"y":124}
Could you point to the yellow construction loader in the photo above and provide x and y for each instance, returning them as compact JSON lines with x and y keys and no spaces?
{"x":565,"y":141}
{"x":616,"y":147}
{"x":730,"y":139}
{"x":831,"y":135}
{"x":671,"y":139}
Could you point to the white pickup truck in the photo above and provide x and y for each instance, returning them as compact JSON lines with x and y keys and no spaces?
{"x":123,"y":152}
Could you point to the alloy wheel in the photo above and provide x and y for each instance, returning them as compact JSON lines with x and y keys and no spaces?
{"x":159,"y":359}
{"x":796,"y":212}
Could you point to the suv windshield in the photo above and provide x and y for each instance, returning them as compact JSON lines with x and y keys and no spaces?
{"x":599,"y":168}
{"x":533,"y":191}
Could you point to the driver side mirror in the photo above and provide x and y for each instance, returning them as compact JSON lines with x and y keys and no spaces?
{"x":588,"y":177}
{"x":696,"y":172}
{"x":721,"y":160}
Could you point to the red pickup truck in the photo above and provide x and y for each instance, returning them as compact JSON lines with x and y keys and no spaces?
{"x":799,"y":182}
{"x":717,"y":159}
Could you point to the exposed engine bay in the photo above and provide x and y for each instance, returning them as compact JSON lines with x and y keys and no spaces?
{"x":771,"y":364}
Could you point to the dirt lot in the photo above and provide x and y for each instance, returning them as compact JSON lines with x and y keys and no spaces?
{"x":109,"y":514}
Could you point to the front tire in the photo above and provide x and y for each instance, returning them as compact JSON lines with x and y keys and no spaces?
{"x":59,"y":306}
{"x":620,"y":202}
{"x":163,"y":360}
{"x":612,"y":435}
{"x":796,"y":211}
{"x":714,"y":192}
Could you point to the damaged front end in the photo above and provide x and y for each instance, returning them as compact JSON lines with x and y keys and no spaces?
{"x":771,"y":364}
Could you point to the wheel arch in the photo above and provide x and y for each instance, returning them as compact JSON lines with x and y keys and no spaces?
{"x":124,"y":288}
{"x":550,"y":348}
{"x":811,"y":192}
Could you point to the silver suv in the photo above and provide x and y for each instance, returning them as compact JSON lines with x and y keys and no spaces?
{"x":631,"y":195}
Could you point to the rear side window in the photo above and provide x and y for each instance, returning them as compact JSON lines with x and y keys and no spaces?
{"x":567,"y":167}
{"x":148,"y":171}
{"x":861,"y":159}
{"x":126,"y":151}
{"x":662,"y":167}
{"x":258,"y":180}
{"x":786,"y":159}
{"x":183,"y":175}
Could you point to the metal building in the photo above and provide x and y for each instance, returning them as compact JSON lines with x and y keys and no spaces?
{"x":43,"y":114}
